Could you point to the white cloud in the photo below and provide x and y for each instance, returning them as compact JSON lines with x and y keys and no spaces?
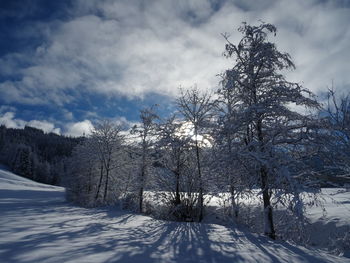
{"x":136,"y":47}
{"x":8,"y":119}
{"x":44,"y":125}
{"x":76,"y":129}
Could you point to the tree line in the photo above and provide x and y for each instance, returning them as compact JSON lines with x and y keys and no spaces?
{"x":259,"y":134}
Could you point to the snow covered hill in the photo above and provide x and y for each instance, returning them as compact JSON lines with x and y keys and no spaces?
{"x":38,"y":225}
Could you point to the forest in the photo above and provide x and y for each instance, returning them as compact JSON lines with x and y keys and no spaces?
{"x":36,"y":155}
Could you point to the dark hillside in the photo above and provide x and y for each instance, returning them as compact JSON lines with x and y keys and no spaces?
{"x":34,"y":154}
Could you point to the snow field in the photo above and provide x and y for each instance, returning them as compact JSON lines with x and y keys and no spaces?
{"x":38,"y":225}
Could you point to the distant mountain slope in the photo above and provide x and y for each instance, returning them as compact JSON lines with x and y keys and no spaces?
{"x":34,"y":154}
{"x":11,"y":181}
{"x":38,"y":225}
{"x":5,"y":174}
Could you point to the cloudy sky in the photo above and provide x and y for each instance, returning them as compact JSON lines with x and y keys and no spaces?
{"x":66,"y":64}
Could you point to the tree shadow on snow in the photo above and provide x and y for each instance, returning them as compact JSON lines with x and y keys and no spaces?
{"x":107,"y":235}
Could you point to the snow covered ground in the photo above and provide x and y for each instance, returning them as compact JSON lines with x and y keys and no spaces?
{"x":329,"y":220}
{"x":38,"y":225}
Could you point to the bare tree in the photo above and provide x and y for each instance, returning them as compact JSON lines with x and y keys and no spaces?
{"x":175,"y":178}
{"x":94,"y":165}
{"x":174,"y":144}
{"x":145,"y":136}
{"x":197,"y":110}
{"x":336,"y":136}
{"x":106,"y":140}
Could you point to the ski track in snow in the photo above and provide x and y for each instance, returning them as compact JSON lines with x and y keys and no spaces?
{"x":38,"y":225}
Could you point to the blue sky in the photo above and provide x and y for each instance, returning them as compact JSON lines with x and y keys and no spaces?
{"x":66,"y":64}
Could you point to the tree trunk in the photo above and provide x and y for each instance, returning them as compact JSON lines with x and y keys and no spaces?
{"x":234,"y":204}
{"x":108,"y":169}
{"x":99,"y":183}
{"x":177,"y":188}
{"x":269,"y":229}
{"x":141,"y":189}
{"x":233,"y":201}
{"x":200,"y":195}
{"x":106,"y":186}
{"x":140,"y":199}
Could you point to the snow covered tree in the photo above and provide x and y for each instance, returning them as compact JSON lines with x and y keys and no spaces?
{"x":107,"y":140}
{"x":228,"y":169}
{"x":174,"y":174}
{"x":337,"y":137}
{"x":96,"y":165}
{"x":145,"y":133}
{"x":83,"y":170}
{"x":265,"y":121}
{"x":174,"y":146}
{"x":197,"y":110}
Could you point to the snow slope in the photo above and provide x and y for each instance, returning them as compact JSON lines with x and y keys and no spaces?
{"x":38,"y":225}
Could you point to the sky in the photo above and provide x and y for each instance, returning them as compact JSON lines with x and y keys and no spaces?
{"x":64,"y":65}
